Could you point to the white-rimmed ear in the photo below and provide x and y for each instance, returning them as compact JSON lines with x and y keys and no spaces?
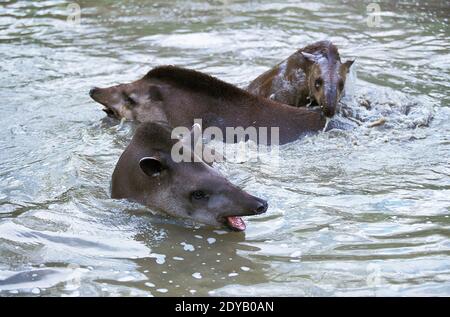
{"x":151,"y":166}
{"x":309,"y":57}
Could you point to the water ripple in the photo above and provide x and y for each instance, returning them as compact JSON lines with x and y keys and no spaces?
{"x":362,"y":212}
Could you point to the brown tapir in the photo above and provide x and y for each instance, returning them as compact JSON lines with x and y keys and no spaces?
{"x":178,"y":96}
{"x":313,"y":74}
{"x":148,"y":174}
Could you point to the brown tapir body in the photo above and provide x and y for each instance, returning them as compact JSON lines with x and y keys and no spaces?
{"x":178,"y":96}
{"x":313,"y":74}
{"x":147,"y":173}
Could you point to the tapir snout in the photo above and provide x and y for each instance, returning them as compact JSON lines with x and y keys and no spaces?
{"x":92,"y":92}
{"x":260,"y":206}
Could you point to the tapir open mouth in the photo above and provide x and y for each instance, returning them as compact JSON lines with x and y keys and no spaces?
{"x":235,"y":223}
{"x":110,"y":113}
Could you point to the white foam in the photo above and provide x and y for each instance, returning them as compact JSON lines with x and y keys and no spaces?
{"x":187,"y":247}
{"x":127,"y":278}
{"x":327,"y":121}
{"x":197,"y":275}
{"x":160,"y":258}
{"x":221,"y":232}
{"x":36,"y":291}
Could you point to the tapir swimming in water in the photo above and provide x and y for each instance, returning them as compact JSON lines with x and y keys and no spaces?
{"x":178,"y":96}
{"x":312,"y":75}
{"x":147,"y":173}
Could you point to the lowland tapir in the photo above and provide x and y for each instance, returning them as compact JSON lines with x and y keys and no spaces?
{"x":314,"y":75}
{"x":148,"y":173}
{"x":178,"y":96}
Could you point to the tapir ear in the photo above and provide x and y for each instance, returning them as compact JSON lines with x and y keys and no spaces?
{"x":309,"y":57}
{"x":151,"y":166}
{"x":349,"y":64}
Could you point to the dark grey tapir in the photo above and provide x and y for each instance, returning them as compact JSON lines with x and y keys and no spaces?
{"x":147,"y":173}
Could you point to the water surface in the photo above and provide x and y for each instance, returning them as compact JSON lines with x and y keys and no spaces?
{"x":359,"y":212}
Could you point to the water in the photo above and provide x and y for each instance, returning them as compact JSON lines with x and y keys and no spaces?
{"x":359,"y":212}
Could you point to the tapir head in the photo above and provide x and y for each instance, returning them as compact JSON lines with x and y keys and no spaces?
{"x":130,"y":101}
{"x":149,"y":173}
{"x":326,"y":77}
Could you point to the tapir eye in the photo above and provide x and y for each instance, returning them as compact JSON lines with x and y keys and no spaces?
{"x":199,"y":195}
{"x":128,"y":99}
{"x":318,"y":83}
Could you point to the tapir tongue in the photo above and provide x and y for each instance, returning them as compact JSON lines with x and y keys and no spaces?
{"x":236,"y":223}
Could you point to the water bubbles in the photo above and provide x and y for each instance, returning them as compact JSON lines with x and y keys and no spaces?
{"x":36,"y":291}
{"x":197,"y":275}
{"x":187,"y":247}
{"x":160,"y":258}
{"x":220,"y":232}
